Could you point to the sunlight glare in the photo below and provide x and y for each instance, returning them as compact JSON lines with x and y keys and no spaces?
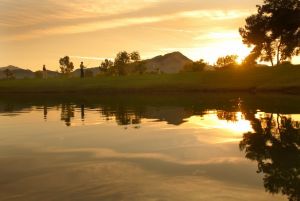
{"x":211,"y":121}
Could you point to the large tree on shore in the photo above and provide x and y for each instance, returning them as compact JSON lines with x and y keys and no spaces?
{"x":274,"y":31}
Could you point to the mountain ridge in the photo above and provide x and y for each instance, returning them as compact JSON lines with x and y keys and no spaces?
{"x":169,"y":63}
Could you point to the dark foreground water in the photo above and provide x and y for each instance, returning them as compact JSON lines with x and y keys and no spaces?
{"x":155,"y":148}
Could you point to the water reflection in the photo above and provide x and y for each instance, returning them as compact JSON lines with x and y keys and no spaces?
{"x":67,"y":113}
{"x":187,"y":138}
{"x":275,"y":145}
{"x":82,"y":112}
{"x":45,"y":109}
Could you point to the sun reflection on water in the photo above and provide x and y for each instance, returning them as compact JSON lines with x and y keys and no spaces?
{"x":212,"y":121}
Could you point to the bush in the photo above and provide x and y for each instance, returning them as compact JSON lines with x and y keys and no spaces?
{"x":195,"y":66}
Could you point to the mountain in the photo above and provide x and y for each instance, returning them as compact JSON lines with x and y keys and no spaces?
{"x":10,"y":67}
{"x":18,"y":72}
{"x":21,"y":73}
{"x":168,"y":63}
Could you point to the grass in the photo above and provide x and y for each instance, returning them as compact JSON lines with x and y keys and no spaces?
{"x":261,"y":79}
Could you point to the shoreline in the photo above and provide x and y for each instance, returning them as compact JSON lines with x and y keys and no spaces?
{"x":128,"y":91}
{"x":277,"y":80}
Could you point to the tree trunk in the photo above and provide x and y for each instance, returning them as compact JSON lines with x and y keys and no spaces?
{"x":271,"y":59}
{"x":278,"y":52}
{"x":269,"y":53}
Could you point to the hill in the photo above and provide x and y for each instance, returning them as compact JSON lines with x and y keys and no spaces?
{"x":22,"y":73}
{"x":168,"y":63}
{"x":10,"y":67}
{"x":19,"y":73}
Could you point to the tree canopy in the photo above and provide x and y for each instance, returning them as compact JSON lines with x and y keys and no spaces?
{"x":195,"y":66}
{"x":123,"y":59}
{"x":9,"y":74}
{"x":66,"y":66}
{"x":106,"y":65}
{"x":274,"y":31}
{"x":135,"y":56}
{"x":227,"y":61}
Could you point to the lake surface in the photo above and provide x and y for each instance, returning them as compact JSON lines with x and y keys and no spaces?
{"x":177,"y":147}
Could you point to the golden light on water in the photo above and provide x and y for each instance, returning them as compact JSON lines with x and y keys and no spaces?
{"x":229,"y":131}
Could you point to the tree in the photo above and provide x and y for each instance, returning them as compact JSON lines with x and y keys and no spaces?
{"x":9,"y":74}
{"x":227,"y":61}
{"x":195,"y":66}
{"x":121,"y":60}
{"x":106,"y":65}
{"x":274,"y":31}
{"x":66,"y":66}
{"x":140,"y":67}
{"x":135,"y":56}
{"x":250,"y":60}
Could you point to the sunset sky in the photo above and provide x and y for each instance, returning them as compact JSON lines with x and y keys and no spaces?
{"x":37,"y":32}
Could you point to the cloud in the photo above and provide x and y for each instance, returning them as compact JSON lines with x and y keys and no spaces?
{"x":88,"y":25}
{"x":97,"y":25}
{"x":26,"y":19}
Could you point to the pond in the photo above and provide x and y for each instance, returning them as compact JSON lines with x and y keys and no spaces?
{"x":152,"y":147}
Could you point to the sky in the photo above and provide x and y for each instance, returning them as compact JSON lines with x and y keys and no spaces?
{"x":37,"y":32}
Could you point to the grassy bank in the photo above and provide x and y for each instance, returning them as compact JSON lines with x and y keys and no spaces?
{"x":254,"y":80}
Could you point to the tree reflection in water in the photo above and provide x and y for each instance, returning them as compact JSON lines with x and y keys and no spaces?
{"x":275,"y":145}
{"x":124,"y":116}
{"x":67,"y":113}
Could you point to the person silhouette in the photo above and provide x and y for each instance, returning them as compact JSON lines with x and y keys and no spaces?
{"x":81,"y":70}
{"x":45,"y":72}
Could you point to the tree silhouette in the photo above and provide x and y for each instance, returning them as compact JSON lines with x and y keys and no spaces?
{"x":128,"y":63}
{"x":227,"y":61}
{"x":121,"y":60}
{"x":135,"y":56}
{"x":66,"y":66}
{"x":9,"y":74}
{"x":274,"y":31}
{"x":195,"y":66}
{"x":140,"y":67}
{"x":106,"y":66}
{"x":275,"y":145}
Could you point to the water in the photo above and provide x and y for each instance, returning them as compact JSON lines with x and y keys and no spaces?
{"x":155,"y":147}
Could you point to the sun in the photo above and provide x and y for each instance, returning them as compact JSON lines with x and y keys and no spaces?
{"x":215,"y":45}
